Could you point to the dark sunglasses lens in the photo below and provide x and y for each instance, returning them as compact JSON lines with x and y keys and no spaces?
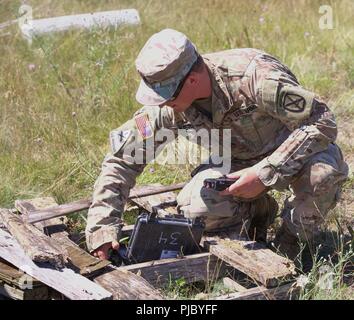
{"x":178,"y":90}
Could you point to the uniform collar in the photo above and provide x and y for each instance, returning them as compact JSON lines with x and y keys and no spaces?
{"x":221,"y":97}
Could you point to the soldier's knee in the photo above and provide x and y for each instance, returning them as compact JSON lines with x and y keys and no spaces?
{"x":195,"y":200}
{"x":323,"y":174}
{"x":303,"y":216}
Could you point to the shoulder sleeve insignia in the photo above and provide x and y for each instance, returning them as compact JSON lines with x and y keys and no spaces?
{"x":295,"y":102}
{"x":143,"y":125}
{"x":118,"y":138}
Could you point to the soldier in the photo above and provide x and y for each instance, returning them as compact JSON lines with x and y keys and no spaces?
{"x":282,"y":138}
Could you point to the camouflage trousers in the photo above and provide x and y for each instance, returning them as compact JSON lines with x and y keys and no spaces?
{"x":314,"y":191}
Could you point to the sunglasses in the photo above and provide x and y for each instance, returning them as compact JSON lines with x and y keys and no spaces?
{"x":180,"y":86}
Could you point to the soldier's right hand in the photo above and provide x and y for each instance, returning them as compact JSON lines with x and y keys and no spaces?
{"x":102,"y":252}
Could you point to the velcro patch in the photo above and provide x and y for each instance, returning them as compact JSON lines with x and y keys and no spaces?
{"x":295,"y":102}
{"x":143,"y":125}
{"x":117,"y":139}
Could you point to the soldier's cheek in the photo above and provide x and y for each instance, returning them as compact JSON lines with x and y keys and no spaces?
{"x":181,"y":107}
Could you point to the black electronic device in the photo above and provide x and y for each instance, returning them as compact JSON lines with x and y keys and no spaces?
{"x":219,"y":184}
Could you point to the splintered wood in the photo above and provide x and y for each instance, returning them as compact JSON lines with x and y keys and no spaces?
{"x":192,"y":268}
{"x":15,"y":284}
{"x":64,"y":209}
{"x":253,"y":259}
{"x":261,"y":265}
{"x":35,"y":244}
{"x":286,"y":291}
{"x":49,"y":227}
{"x":247,"y":267}
{"x":82,"y":261}
{"x":161,"y":204}
{"x":66,"y":281}
{"x":126,"y":285}
{"x":122,"y":283}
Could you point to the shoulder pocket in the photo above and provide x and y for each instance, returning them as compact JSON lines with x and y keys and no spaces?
{"x":269,"y":92}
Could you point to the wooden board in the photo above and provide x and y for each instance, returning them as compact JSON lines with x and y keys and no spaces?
{"x":67,"y":208}
{"x":248,"y":257}
{"x":283,"y":292}
{"x":126,"y":285}
{"x":161,"y":204}
{"x":35,"y":244}
{"x":192,"y":268}
{"x":254,"y":259}
{"x":14,"y":276}
{"x":49,"y":227}
{"x":127,"y":230}
{"x":66,"y":281}
{"x":87,"y":264}
{"x":233,"y":285}
{"x":81,"y":261}
{"x":12,"y":292}
{"x":15,"y":284}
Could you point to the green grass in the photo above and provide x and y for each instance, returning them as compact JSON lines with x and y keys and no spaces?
{"x":331,"y":277}
{"x":60,"y":97}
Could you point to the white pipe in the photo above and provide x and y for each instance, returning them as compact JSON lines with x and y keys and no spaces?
{"x":30,"y":27}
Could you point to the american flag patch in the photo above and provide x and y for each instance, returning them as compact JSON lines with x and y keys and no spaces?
{"x":144,"y":126}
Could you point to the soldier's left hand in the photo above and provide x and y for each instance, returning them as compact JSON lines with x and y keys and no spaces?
{"x":247,"y":185}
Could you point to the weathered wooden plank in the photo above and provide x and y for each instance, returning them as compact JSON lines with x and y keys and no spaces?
{"x":15,"y":284}
{"x":127,"y":230}
{"x":283,"y":292}
{"x":48,"y":227}
{"x":233,"y":285}
{"x":13,"y":276}
{"x":37,"y":246}
{"x":126,"y":285}
{"x":64,"y":209}
{"x":89,"y":265}
{"x":66,"y":281}
{"x":192,"y":268}
{"x":12,"y":292}
{"x":55,"y":228}
{"x":110,"y":279}
{"x":253,"y":259}
{"x":161,"y":204}
{"x":82,"y":261}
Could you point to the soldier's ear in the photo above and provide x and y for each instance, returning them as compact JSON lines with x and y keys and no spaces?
{"x":193,"y":78}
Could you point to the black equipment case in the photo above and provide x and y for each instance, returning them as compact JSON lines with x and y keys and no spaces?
{"x":155,"y":238}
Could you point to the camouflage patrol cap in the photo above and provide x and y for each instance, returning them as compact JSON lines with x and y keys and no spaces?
{"x":163,"y":62}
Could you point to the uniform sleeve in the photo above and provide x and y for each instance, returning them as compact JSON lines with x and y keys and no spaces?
{"x":132,"y":147}
{"x":312,"y":124}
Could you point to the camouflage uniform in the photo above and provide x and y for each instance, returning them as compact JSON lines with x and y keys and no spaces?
{"x":277,"y":126}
